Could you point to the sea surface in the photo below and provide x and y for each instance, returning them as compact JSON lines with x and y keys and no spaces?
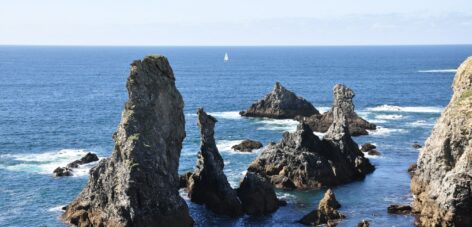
{"x":58,"y":103}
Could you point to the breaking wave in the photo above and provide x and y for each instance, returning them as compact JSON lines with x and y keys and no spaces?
{"x":409,"y":109}
{"x":438,"y":71}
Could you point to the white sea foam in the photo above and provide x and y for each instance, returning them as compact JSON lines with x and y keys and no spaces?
{"x":382,"y":131}
{"x":421,"y":123}
{"x":389,"y":116}
{"x":409,"y":109}
{"x":438,"y":71}
{"x":323,"y":109}
{"x":225,"y":145}
{"x":232,"y":115}
{"x":278,"y":125}
{"x":45,"y":163}
{"x":56,"y":208}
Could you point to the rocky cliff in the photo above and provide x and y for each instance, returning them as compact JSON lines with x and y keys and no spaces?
{"x":280,"y":104}
{"x":208,"y":184}
{"x":443,"y":178}
{"x":138,"y":184}
{"x":322,"y":122}
{"x":302,"y":160}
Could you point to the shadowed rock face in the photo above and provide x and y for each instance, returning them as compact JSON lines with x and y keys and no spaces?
{"x":257,"y":195}
{"x":442,"y":180}
{"x":302,"y":160}
{"x":138,"y":184}
{"x":326,"y":213}
{"x":208,"y":184}
{"x":280,"y":104}
{"x":357,"y":125}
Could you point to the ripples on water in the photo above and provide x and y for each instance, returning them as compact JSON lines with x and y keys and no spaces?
{"x":60,"y":102}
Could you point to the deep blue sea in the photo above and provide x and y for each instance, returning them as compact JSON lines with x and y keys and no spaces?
{"x":57,"y":103}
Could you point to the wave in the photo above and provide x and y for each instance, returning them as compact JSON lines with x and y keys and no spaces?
{"x":231,"y":115}
{"x":421,"y":123}
{"x":389,"y":116}
{"x":225,"y":146}
{"x":409,"y":109}
{"x":56,"y":208}
{"x":323,"y":109}
{"x":438,"y":71}
{"x":278,"y":125}
{"x":45,"y":163}
{"x":381,"y":131}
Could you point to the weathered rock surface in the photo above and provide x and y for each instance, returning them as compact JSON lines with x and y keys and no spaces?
{"x":399,"y":209}
{"x":326,"y":213}
{"x":208,"y":184}
{"x":68,"y":170}
{"x":442,"y":181}
{"x":280,"y":104}
{"x":257,"y":195}
{"x":357,"y":125}
{"x":138,"y":184}
{"x":302,"y":160}
{"x":247,"y":145}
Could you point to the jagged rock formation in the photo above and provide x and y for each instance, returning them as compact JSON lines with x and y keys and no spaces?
{"x":302,"y":160}
{"x":138,"y":184}
{"x":280,"y":104}
{"x":247,"y":146}
{"x":257,"y":195}
{"x":322,"y":122}
{"x":326,"y":213}
{"x":208,"y":184}
{"x":68,"y":170}
{"x":442,"y":181}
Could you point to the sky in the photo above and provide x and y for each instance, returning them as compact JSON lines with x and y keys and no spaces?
{"x":235,"y":22}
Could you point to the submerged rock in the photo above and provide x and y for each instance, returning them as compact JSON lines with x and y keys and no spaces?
{"x":138,"y":185}
{"x":208,"y":184}
{"x":416,"y":145}
{"x":326,"y":213}
{"x":247,"y":146}
{"x":442,"y":181}
{"x":257,"y":195}
{"x":367,"y":147}
{"x":322,"y":122}
{"x":399,"y":209}
{"x":280,"y":104}
{"x":302,"y":160}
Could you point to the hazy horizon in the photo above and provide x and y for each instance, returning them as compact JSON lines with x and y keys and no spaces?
{"x":242,"y":23}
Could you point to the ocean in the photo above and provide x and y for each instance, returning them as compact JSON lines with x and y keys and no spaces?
{"x":58,"y":103}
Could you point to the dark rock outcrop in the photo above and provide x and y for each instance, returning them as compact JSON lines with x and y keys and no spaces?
{"x":138,"y":185}
{"x":302,"y":160}
{"x":412,"y":169}
{"x":247,"y":146}
{"x":326,"y":213}
{"x":183,"y":179}
{"x":62,"y":172}
{"x":88,"y":158}
{"x":367,"y":147}
{"x":416,"y":145}
{"x":68,"y":170}
{"x":399,"y":209}
{"x":363,"y":223}
{"x":208,"y":184}
{"x":280,"y":104}
{"x":442,"y":181}
{"x":322,"y":122}
{"x":257,"y":195}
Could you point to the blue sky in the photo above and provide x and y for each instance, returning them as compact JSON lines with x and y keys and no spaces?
{"x":231,"y":22}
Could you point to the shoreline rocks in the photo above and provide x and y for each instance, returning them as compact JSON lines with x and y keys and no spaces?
{"x":68,"y":170}
{"x":326,"y":213}
{"x":357,"y":125}
{"x":280,"y":103}
{"x":370,"y":149}
{"x":399,"y":209}
{"x":138,"y":184}
{"x":208,"y":184}
{"x":247,"y":146}
{"x":441,"y":183}
{"x":301,"y":160}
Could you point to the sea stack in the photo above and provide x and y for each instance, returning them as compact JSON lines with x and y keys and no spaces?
{"x":442,"y":180}
{"x":138,"y":185}
{"x":322,"y":122}
{"x":208,"y":184}
{"x":302,"y":160}
{"x":326,"y":213}
{"x":280,"y":104}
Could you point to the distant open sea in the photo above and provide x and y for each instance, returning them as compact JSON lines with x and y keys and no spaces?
{"x":57,"y":103}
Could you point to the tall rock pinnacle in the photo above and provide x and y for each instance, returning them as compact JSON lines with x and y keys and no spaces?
{"x":138,"y":184}
{"x":442,"y":182}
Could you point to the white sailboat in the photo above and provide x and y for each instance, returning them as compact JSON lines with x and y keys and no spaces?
{"x":226,"y":57}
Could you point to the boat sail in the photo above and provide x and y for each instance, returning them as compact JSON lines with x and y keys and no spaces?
{"x":226,"y":57}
